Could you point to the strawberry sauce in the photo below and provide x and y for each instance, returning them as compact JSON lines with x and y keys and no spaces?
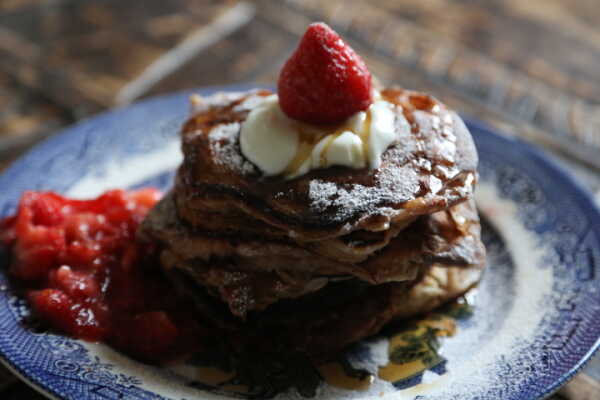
{"x":86,"y":276}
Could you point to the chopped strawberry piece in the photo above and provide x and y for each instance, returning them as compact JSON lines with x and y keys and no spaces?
{"x":47,"y":208}
{"x":77,"y":285}
{"x":54,"y":306}
{"x":97,"y":283}
{"x":36,"y":248}
{"x":90,"y":321}
{"x":324,"y":81}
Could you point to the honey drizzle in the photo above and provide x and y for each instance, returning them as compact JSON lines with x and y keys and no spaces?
{"x":308,"y":139}
{"x":337,"y":375}
{"x":303,"y":153}
{"x":365,"y":134}
{"x":396,"y":370}
{"x":323,"y":155}
{"x":421,"y":334}
{"x":334,"y":374}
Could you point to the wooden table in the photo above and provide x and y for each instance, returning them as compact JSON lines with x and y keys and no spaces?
{"x":530,"y":68}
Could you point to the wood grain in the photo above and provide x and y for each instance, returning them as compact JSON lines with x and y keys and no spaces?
{"x":83,"y":53}
{"x":529,"y":68}
{"x":581,"y":387}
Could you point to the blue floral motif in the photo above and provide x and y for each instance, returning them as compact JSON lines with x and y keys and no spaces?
{"x":549,"y":203}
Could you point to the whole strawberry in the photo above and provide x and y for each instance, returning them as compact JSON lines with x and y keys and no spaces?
{"x":324,"y":81}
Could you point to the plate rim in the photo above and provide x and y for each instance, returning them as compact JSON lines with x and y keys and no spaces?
{"x":584,"y":197}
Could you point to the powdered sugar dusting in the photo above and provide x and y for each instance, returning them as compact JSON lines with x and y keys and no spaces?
{"x":477,"y":371}
{"x":395,"y":185}
{"x":473,"y":372}
{"x":470,"y":373}
{"x":224,"y":138}
{"x":249,"y":103}
{"x":474,"y":365}
{"x":119,"y":173}
{"x":200,"y":103}
{"x":225,"y":146}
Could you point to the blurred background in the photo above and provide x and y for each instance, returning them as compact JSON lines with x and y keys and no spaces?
{"x":530,"y":68}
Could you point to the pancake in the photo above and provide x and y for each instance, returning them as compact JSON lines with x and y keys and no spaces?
{"x":312,"y":264}
{"x":251,"y":273}
{"x":322,"y":324}
{"x":430,"y":169}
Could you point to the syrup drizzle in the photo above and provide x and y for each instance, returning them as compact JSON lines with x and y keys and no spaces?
{"x":413,"y":349}
{"x":310,"y":137}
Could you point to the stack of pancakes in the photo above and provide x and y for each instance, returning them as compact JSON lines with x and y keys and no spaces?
{"x":318,"y":262}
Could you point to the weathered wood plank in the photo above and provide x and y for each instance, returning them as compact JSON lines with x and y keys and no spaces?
{"x":241,"y":57}
{"x":25,"y":117}
{"x":528,"y":68}
{"x":582,"y":387}
{"x":23,"y":112}
{"x":83,"y":53}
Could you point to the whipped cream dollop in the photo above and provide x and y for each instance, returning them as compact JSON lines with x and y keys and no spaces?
{"x":279,"y":145}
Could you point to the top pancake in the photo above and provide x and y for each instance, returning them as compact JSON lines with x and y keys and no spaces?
{"x":429,"y":169}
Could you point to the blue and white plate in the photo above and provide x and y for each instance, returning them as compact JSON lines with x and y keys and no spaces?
{"x":537,"y":314}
